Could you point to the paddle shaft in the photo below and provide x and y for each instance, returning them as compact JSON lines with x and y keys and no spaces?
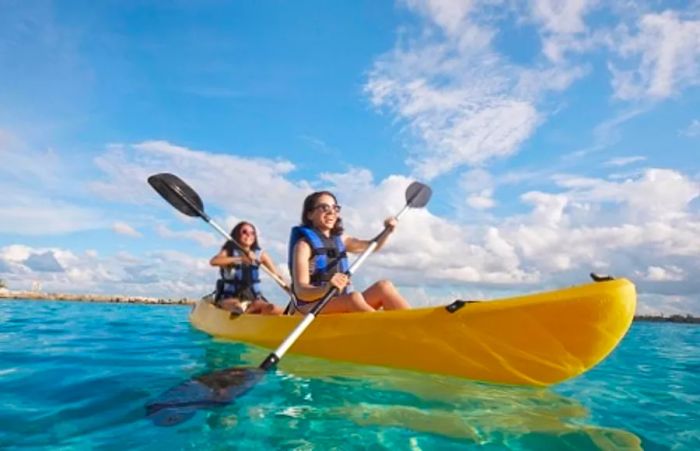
{"x":275,"y":356}
{"x":225,"y":234}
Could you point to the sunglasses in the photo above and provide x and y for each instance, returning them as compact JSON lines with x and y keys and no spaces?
{"x":326,"y":208}
{"x":250,"y":232}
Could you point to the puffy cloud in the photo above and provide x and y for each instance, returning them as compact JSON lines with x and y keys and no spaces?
{"x":644,"y":227}
{"x":255,"y":189}
{"x":169,"y":274}
{"x":657,"y":195}
{"x":659,"y":274}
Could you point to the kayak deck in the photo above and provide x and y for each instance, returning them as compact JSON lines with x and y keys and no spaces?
{"x":538,"y":339}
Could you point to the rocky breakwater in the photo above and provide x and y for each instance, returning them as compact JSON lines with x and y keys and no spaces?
{"x":120,"y":299}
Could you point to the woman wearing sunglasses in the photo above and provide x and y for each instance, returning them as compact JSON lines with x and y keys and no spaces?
{"x":318,"y":261}
{"x":238,"y":289}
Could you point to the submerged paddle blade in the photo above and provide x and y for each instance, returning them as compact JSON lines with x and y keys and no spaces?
{"x":177,"y":193}
{"x":418,"y":195}
{"x":217,"y":389}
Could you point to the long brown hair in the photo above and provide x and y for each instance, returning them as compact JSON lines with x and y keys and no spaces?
{"x":310,"y":203}
{"x":236,"y":234}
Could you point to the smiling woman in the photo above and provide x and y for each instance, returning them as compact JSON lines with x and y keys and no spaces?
{"x":318,"y":261}
{"x":238,"y":289}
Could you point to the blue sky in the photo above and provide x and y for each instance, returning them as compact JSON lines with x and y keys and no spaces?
{"x":560,"y":137}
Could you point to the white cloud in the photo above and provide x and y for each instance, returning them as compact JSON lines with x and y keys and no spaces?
{"x":16,"y":253}
{"x":482,"y":200}
{"x":660,"y":274}
{"x":465,"y":103}
{"x":692,"y":130}
{"x":166,"y":274}
{"x":624,"y":161}
{"x":582,"y":224}
{"x":659,"y":194}
{"x":452,"y":16}
{"x":123,"y":228}
{"x":657,"y":61}
{"x":595,"y":224}
{"x":559,"y":16}
{"x":563,"y":29}
{"x":254,"y":189}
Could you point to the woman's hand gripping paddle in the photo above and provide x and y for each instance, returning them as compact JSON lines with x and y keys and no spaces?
{"x":186,"y":200}
{"x":222,"y":387}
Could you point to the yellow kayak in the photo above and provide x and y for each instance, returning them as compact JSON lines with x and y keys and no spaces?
{"x":538,"y":339}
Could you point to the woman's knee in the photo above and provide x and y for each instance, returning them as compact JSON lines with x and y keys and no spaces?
{"x":271,"y":309}
{"x":385,"y":286}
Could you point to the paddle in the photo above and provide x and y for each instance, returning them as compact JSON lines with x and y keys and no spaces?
{"x":186,"y":200}
{"x":222,"y":387}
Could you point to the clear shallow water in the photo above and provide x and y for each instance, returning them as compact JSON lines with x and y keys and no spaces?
{"x":77,"y":376}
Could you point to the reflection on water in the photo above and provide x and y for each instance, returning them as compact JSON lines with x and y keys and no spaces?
{"x":312,"y":391}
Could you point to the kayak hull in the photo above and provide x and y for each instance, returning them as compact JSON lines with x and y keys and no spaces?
{"x":539,"y":339}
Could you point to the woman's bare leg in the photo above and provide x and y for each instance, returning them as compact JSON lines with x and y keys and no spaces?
{"x":261,"y":307}
{"x":346,"y":303}
{"x":232,"y":305}
{"x":384,"y":294}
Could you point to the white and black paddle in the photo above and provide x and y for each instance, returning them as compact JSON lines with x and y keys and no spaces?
{"x":224,"y":386}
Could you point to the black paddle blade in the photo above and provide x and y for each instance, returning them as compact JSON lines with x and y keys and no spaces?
{"x":177,"y":193}
{"x":217,"y":389}
{"x":418,"y":195}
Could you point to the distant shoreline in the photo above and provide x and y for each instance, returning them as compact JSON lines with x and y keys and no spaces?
{"x":684,"y":319}
{"x":115,"y":299}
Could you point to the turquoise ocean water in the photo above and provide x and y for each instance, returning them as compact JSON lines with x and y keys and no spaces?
{"x":77,"y":375}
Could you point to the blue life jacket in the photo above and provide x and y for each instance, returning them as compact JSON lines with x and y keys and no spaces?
{"x":238,"y":281}
{"x":328,"y":255}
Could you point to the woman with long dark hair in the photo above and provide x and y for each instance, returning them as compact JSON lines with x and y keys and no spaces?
{"x":318,"y":260}
{"x":238,"y":289}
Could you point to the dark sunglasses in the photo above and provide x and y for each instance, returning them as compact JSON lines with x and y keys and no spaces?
{"x":325,"y":208}
{"x":248,"y":232}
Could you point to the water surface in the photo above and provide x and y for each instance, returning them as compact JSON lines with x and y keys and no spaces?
{"x":77,"y":375}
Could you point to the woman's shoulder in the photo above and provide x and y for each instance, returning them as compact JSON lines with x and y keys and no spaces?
{"x":301,"y":243}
